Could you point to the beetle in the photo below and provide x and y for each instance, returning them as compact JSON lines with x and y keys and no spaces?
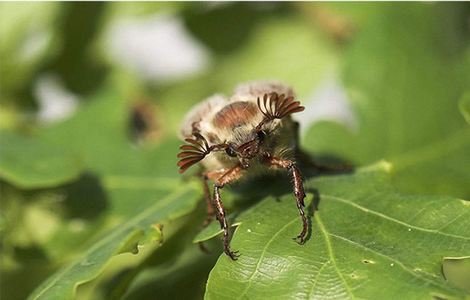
{"x":250,"y":132}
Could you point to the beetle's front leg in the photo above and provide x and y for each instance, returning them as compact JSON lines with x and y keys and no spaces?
{"x":229,"y":176}
{"x":298,"y":190}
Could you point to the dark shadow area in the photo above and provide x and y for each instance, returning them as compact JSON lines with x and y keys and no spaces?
{"x":18,"y":282}
{"x":322,"y":165}
{"x":30,"y":254}
{"x":77,"y":28}
{"x":185,"y":282}
{"x":23,"y":97}
{"x":452,"y":21}
{"x":225,"y":27}
{"x":279,"y":182}
{"x":85,"y":198}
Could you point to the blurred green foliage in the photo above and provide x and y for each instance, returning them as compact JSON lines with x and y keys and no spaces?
{"x":76,"y":192}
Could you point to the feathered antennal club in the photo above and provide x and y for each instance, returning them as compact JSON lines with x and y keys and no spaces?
{"x":276,"y":106}
{"x":195,"y":151}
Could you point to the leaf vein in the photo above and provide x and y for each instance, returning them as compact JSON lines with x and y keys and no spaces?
{"x":452,"y":221}
{"x":366,"y":210}
{"x":121,"y":229}
{"x":316,"y":277}
{"x":331,"y":254}
{"x":423,"y":208}
{"x":263,"y":252}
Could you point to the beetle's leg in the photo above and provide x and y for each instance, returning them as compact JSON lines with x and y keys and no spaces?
{"x":212,"y":175}
{"x":207,"y":197}
{"x":298,"y":190}
{"x":229,"y":176}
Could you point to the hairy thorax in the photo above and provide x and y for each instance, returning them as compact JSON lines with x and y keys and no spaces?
{"x":233,"y":121}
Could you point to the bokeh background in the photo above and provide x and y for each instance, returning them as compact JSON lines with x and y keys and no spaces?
{"x":92,"y":95}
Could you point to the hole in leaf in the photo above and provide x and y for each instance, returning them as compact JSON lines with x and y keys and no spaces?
{"x":368,"y":261}
{"x":456,"y":271}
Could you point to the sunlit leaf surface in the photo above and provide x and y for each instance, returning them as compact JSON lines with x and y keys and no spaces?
{"x":29,"y":163}
{"x":366,"y":240}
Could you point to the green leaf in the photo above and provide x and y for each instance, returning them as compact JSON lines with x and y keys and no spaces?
{"x":124,"y":238}
{"x":211,"y":231}
{"x":176,"y":264}
{"x":28,"y":162}
{"x":366,"y":240}
{"x":407,"y":110}
{"x":99,"y":134}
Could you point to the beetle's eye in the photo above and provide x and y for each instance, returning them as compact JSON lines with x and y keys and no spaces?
{"x":230,"y":152}
{"x":261,"y":135}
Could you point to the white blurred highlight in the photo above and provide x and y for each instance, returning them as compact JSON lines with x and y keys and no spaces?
{"x":56,"y":103}
{"x":329,"y":102}
{"x":157,"y":48}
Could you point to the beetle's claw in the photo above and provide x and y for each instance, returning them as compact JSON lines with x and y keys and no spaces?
{"x":300,"y":239}
{"x":232,"y":254}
